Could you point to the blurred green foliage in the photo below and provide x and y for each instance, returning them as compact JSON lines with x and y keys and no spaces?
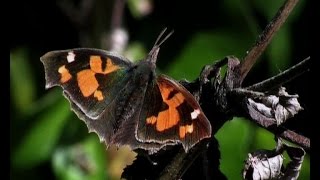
{"x":44,"y":132}
{"x":19,"y":65}
{"x":85,"y":160}
{"x":205,"y":48}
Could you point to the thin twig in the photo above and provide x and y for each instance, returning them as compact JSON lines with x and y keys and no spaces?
{"x":283,"y":77}
{"x":265,"y":38}
{"x":116,"y":38}
{"x":117,"y":14}
{"x":292,"y":136}
{"x":286,"y":134}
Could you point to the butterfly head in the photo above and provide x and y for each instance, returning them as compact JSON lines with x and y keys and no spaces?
{"x":146,"y":68}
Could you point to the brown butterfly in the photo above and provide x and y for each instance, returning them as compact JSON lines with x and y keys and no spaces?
{"x":126,"y":103}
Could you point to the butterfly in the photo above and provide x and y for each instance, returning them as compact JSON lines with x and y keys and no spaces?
{"x":127,"y":103}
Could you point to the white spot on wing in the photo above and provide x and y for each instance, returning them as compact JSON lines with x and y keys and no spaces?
{"x":71,"y":57}
{"x":195,"y":113}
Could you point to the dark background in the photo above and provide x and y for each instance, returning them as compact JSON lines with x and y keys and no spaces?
{"x":204,"y":32}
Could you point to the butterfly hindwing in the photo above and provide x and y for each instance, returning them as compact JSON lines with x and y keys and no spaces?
{"x":90,"y":78}
{"x":171,"y":114}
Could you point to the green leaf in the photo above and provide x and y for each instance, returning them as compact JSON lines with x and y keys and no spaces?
{"x":234,"y":143}
{"x":279,"y":51}
{"x":22,"y":85}
{"x":39,"y":142}
{"x":86,"y":160}
{"x":205,"y":48}
{"x":264,"y":139}
{"x":305,"y":169}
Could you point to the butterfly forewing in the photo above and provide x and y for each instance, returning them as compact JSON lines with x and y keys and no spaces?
{"x":171,"y":114}
{"x":91,"y":78}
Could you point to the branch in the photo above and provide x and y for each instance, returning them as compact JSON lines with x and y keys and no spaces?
{"x":265,"y":38}
{"x":283,"y":77}
{"x":117,"y":14}
{"x":116,"y":39}
{"x":286,"y":134}
{"x":296,"y":138}
{"x":264,"y":112}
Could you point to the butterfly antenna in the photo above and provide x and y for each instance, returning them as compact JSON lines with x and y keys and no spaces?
{"x":152,"y":57}
{"x":157,"y":43}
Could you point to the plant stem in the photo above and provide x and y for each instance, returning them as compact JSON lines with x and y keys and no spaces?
{"x":265,"y":38}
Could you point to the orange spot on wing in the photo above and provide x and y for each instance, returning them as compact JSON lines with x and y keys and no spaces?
{"x":98,"y":95}
{"x":151,"y":120}
{"x":165,"y":90}
{"x":110,"y":67}
{"x":170,"y":117}
{"x":65,"y":75}
{"x":189,"y":128}
{"x":183,"y":130}
{"x":167,"y":119}
{"x":87,"y":82}
{"x":96,"y":65}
